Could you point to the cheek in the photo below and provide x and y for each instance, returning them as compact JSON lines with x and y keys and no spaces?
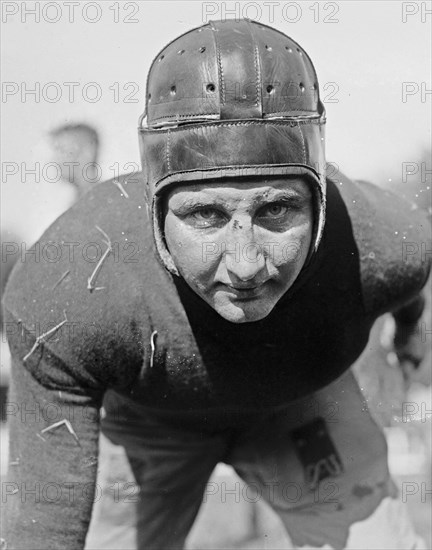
{"x":291,"y":249}
{"x":191,"y":254}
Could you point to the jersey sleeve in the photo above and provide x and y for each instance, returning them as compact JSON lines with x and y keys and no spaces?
{"x":54,"y":424}
{"x":393,"y":238}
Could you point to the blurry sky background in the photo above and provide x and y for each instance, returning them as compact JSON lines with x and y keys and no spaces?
{"x":362,"y":61}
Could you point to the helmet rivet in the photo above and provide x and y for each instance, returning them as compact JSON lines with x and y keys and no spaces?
{"x":301,"y":86}
{"x":161,"y":57}
{"x":300,"y":53}
{"x":210,"y":87}
{"x":181,"y":52}
{"x":289,"y":49}
{"x":202,"y":49}
{"x":269,"y":48}
{"x":173,"y":90}
{"x":149,"y":97}
{"x":270,"y":89}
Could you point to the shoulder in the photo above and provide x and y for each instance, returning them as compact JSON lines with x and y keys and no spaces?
{"x":393,"y":239}
{"x":86,"y":276}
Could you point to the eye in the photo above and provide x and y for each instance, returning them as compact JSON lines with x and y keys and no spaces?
{"x":274,"y":210}
{"x":205,"y":213}
{"x":206,"y":217}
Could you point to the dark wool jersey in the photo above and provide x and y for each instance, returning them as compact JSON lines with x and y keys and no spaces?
{"x":84,"y":323}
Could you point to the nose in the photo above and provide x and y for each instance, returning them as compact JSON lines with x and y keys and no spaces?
{"x":244,"y":258}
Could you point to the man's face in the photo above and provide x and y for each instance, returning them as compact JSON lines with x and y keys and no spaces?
{"x":76,"y":155}
{"x":240,"y":246}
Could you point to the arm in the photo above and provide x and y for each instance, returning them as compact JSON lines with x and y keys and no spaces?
{"x":48,"y":495}
{"x":393,"y":241}
{"x":408,"y":341}
{"x":412,"y":339}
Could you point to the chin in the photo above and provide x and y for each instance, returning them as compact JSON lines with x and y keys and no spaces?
{"x":243,"y":312}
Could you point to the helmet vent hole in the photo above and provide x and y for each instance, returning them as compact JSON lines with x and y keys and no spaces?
{"x":269,"y":48}
{"x":210,"y":87}
{"x":173,"y":90}
{"x":270,"y":89}
{"x":181,"y":52}
{"x":202,"y":49}
{"x":149,"y":97}
{"x":288,"y":49}
{"x":161,"y":57}
{"x":299,"y":52}
{"x":301,"y":86}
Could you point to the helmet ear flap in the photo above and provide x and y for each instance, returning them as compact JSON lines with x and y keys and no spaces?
{"x":147,"y":202}
{"x":148,"y":195}
{"x":158,"y":220}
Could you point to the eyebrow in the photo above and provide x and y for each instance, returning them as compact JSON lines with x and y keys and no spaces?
{"x":290,"y":196}
{"x":197,"y":203}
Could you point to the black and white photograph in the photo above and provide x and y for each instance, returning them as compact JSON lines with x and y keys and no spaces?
{"x":216,"y":304}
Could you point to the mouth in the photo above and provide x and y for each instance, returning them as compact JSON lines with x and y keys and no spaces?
{"x":244,"y":292}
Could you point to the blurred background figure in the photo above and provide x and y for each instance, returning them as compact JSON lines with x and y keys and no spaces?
{"x":10,"y":244}
{"x":67,"y":158}
{"x":75,"y":149}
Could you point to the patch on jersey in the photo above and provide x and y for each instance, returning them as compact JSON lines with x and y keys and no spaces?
{"x":316,"y":452}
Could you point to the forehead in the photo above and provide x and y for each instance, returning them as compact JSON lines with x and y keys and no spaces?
{"x":263,"y":189}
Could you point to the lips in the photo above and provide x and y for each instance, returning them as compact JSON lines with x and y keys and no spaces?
{"x":236,"y":287}
{"x":244,"y":292}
